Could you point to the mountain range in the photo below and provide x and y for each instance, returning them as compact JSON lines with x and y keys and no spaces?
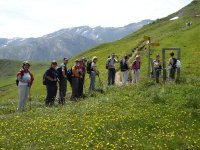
{"x":65,"y":42}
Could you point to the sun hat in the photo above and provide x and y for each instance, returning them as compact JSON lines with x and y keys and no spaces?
{"x":26,"y":63}
{"x":84,"y":58}
{"x":54,"y":62}
{"x":65,"y":58}
{"x":95,"y":57}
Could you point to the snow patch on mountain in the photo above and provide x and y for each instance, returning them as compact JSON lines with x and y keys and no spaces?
{"x":174,"y":18}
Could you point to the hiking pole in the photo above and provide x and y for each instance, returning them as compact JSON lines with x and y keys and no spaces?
{"x":100,"y":83}
{"x":84,"y":88}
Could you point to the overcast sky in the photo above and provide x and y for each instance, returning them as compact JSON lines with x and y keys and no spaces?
{"x":34,"y":18}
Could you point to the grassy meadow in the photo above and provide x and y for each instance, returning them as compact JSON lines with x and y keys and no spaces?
{"x":142,"y":116}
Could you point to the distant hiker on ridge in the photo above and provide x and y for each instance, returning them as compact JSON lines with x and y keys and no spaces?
{"x":110,"y":65}
{"x":24,"y":81}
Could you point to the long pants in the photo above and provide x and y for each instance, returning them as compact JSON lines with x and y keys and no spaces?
{"x":80,"y":87}
{"x":157,"y":73}
{"x":51,"y":95}
{"x":75,"y":86}
{"x":92,"y":81}
{"x":172,"y":72}
{"x":23,"y":91}
{"x":124,"y":77}
{"x":62,"y":90}
{"x":111,"y":76}
{"x":135,"y":75}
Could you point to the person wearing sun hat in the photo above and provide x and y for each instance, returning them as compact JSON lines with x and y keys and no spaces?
{"x":25,"y":80}
{"x":93,"y":73}
{"x":51,"y":76}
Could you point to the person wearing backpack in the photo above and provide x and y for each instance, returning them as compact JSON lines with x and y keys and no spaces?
{"x":110,"y":65}
{"x":51,"y":77}
{"x":93,"y":73}
{"x":76,"y":72}
{"x":25,"y":79}
{"x":157,"y":67}
{"x":172,"y":66}
{"x":136,"y":69}
{"x":124,"y":69}
{"x":62,"y":75}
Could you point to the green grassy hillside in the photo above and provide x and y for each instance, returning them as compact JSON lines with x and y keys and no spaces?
{"x":143,"y":116}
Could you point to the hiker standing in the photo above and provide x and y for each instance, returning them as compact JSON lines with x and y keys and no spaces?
{"x":75,"y":80}
{"x":25,"y":78}
{"x":110,"y":65}
{"x":124,"y":69}
{"x":51,"y":76}
{"x":93,"y":74}
{"x":157,"y":67}
{"x":136,"y":69}
{"x":172,"y":66}
{"x":63,"y":80}
{"x":82,"y":77}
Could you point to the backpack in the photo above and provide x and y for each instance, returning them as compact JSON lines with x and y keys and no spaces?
{"x":123,"y":65}
{"x":44,"y":79}
{"x":178,"y":64}
{"x":174,"y":63}
{"x":59,"y":71}
{"x":89,"y":65}
{"x":107,"y":64}
{"x":69,"y":75}
{"x":17,"y":81}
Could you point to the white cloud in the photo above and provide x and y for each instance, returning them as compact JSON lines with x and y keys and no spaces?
{"x":27,"y":18}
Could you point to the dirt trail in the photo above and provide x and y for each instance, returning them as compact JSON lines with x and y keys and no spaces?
{"x":138,"y":48}
{"x":118,"y":78}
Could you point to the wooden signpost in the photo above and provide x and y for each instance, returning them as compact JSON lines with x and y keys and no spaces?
{"x":148,"y":38}
{"x":154,"y":44}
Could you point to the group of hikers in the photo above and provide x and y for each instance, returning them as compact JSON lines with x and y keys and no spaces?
{"x":76,"y":76}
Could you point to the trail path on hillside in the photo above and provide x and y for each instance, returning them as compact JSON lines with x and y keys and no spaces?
{"x":138,"y":48}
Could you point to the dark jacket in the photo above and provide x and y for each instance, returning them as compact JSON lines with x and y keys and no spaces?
{"x":53,"y":74}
